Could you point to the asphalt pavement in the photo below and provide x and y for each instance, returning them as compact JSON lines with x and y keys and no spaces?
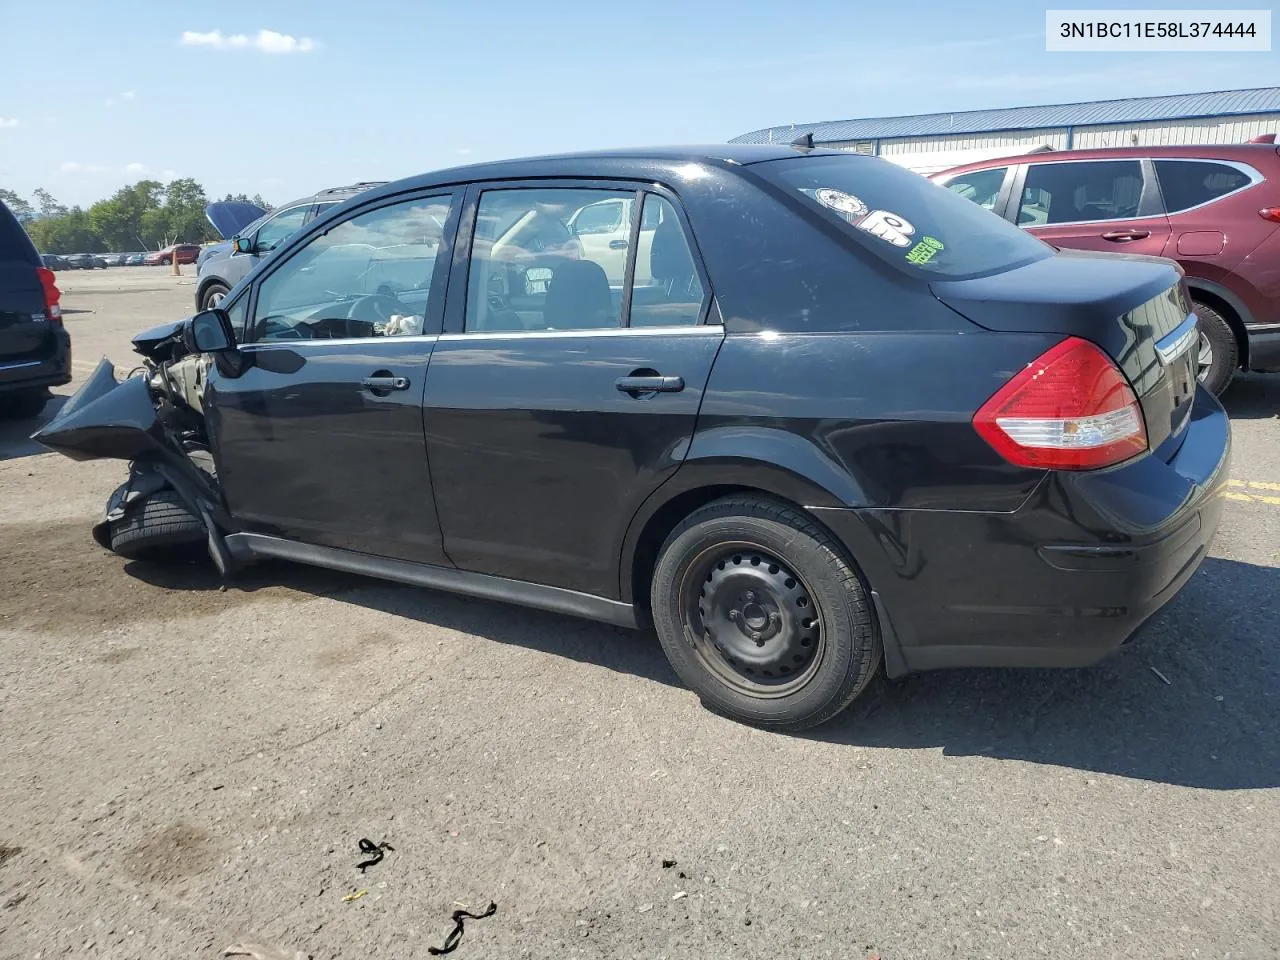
{"x":183,"y":768}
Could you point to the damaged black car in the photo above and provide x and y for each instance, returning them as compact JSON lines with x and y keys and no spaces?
{"x":802,"y":412}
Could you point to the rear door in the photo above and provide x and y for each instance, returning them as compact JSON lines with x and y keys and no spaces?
{"x":26,"y":337}
{"x":1112,"y":206}
{"x":557,"y":400}
{"x":320,"y":439}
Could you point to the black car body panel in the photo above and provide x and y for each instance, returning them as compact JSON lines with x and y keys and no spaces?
{"x":514,"y":464}
{"x":35,"y":349}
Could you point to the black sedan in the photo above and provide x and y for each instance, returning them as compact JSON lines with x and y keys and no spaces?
{"x":803,"y":411}
{"x":84,"y":261}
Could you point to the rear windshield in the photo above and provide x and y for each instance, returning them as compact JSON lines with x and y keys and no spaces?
{"x":906,"y":220}
{"x":15,"y":245}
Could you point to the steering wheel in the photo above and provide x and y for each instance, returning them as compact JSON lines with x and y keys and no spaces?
{"x":375,"y":308}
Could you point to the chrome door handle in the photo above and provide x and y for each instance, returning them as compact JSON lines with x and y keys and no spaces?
{"x":386,"y":383}
{"x":635,"y":385}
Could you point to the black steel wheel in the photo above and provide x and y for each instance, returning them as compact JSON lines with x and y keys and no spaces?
{"x":762,"y":615}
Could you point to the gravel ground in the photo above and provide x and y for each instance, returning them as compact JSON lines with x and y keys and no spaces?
{"x":185,"y":768}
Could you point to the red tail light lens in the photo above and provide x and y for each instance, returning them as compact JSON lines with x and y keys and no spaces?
{"x":1270,"y":213}
{"x":51,"y":295}
{"x":1071,"y":409}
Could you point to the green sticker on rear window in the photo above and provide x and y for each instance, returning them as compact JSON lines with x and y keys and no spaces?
{"x":925,"y":250}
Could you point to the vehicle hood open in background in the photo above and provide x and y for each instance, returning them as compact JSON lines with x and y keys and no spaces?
{"x":230,"y":217}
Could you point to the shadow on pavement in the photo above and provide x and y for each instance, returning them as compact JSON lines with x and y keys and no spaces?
{"x":1215,"y":725}
{"x":1253,"y":396}
{"x":15,"y":435}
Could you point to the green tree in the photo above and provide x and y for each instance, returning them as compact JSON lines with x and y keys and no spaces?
{"x":49,"y":207}
{"x":21,"y":208}
{"x":69,"y":232}
{"x":118,"y":219}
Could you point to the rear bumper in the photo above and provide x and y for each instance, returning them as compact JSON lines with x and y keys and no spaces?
{"x":1264,"y":348}
{"x":1061,"y":582}
{"x":52,"y":371}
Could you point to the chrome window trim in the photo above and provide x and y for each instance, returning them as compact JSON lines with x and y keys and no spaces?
{"x":695,"y":329}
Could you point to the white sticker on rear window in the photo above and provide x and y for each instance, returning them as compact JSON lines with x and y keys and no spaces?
{"x":888,"y":226}
{"x":845,"y":204}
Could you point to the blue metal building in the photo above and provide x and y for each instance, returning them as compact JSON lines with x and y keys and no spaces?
{"x":1226,"y":116}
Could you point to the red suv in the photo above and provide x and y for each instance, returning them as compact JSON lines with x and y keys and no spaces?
{"x":1215,"y":209}
{"x":185,"y":252}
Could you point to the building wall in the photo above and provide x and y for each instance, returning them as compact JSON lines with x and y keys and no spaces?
{"x":1157,"y":133}
{"x":1055,"y":138}
{"x":1172,"y":132}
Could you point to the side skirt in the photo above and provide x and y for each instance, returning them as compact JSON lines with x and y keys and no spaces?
{"x":246,"y":546}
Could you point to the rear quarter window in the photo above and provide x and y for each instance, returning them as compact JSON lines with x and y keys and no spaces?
{"x":1190,"y":183}
{"x":906,"y":220}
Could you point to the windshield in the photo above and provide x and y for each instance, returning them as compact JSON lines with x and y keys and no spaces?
{"x":906,"y":220}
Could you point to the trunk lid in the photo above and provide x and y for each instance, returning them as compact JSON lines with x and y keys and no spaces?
{"x":1133,"y":307}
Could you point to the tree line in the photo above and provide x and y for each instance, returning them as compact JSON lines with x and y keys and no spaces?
{"x":147,"y":215}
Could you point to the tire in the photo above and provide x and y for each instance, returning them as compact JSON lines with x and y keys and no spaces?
{"x":1217,"y":345}
{"x":23,"y":406}
{"x":160,"y":525}
{"x":730,"y":592}
{"x":213,"y":295}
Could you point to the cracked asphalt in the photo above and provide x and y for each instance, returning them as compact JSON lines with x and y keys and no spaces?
{"x":183,"y":768}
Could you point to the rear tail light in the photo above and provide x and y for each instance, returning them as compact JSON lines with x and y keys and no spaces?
{"x":52,"y":311}
{"x":1070,"y":409}
{"x":1270,"y":213}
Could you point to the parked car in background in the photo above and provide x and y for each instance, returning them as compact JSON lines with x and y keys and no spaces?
{"x":834,"y":414}
{"x":1214,"y":209}
{"x":54,"y":262}
{"x":185,"y":252}
{"x":135,"y":259}
{"x":83,"y":261}
{"x":35,"y":349}
{"x":251,"y":234}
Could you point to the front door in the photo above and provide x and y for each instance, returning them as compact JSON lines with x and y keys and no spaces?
{"x":320,"y":439}
{"x":560,"y":400}
{"x":1107,"y":205}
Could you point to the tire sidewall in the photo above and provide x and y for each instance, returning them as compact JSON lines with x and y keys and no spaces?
{"x":844,"y":636}
{"x":212,"y":289}
{"x":1226,"y":353}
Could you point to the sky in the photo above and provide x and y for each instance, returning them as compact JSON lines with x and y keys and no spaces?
{"x":284,"y":97}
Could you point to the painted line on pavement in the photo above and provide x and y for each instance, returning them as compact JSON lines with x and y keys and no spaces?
{"x":1237,"y":491}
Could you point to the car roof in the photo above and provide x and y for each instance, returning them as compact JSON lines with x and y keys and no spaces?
{"x":609,"y":163}
{"x":1243,"y":152}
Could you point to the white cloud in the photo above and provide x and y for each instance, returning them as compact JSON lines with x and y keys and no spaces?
{"x":8,"y":122}
{"x":135,"y":168}
{"x":266,"y":41}
{"x":168,"y":174}
{"x":463,"y":151}
{"x":110,"y":102}
{"x":128,"y":95}
{"x":50,"y":119}
{"x":71,"y":166}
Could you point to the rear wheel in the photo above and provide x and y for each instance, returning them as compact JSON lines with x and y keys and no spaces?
{"x":159,"y":526}
{"x":761,"y":615}
{"x":213,"y":295}
{"x":1219,"y":352}
{"x":23,"y":406}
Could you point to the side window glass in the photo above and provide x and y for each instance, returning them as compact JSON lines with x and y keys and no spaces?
{"x":980,"y":186}
{"x":280,"y":228}
{"x":1080,"y":192}
{"x":1189,"y":183}
{"x":603,"y":217}
{"x":238,"y":312}
{"x":667,"y":291}
{"x":530,"y":271}
{"x":369,"y":276}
